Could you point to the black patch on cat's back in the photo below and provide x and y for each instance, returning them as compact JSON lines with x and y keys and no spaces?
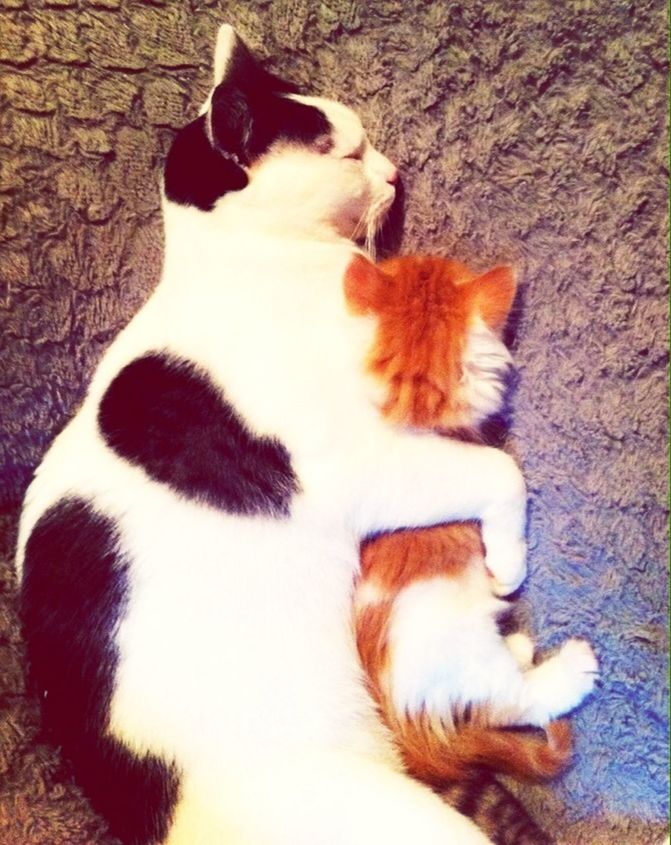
{"x":197,"y":175}
{"x":73,"y":597}
{"x":165,"y":415}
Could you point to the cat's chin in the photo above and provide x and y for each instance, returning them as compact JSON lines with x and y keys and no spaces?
{"x":366,"y":227}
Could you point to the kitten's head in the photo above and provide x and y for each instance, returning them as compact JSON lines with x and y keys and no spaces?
{"x":306,"y":158}
{"x":437,"y":354}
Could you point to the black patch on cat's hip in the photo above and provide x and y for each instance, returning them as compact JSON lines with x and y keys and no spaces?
{"x":165,"y":415}
{"x":195,"y":174}
{"x":73,"y":597}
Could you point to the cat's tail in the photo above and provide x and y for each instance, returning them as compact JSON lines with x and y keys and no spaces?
{"x":439,"y":756}
{"x":496,"y":811}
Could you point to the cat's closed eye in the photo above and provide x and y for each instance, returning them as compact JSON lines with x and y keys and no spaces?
{"x":323,"y":145}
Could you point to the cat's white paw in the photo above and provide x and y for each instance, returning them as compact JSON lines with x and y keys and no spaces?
{"x":522,"y":648}
{"x":506,"y":561}
{"x":581,"y":667}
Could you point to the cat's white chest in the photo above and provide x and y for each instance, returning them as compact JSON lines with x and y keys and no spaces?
{"x":271,"y":325}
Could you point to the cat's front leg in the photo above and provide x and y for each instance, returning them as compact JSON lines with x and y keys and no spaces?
{"x":423,"y":479}
{"x":505,"y":552}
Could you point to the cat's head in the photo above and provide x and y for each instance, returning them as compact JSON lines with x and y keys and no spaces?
{"x":306,"y":160}
{"x":437,"y":355}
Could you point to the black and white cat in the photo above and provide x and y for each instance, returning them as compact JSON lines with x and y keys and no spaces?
{"x":188,"y":546}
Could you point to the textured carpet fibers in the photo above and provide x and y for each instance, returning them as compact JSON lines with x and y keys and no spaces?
{"x":527,"y":131}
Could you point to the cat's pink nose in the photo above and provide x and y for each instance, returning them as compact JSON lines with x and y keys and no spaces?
{"x":392,"y":175}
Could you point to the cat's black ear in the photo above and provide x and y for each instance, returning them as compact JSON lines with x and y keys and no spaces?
{"x":236,"y":74}
{"x":235,"y":65}
{"x":244,"y":114}
{"x":244,"y":106}
{"x":230,"y":122}
{"x":227,"y":44}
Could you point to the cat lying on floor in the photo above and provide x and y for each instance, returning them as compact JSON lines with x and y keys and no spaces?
{"x":188,"y":546}
{"x":425,"y":615}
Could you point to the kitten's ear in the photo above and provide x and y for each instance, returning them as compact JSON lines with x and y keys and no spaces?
{"x":392,"y":266}
{"x":493,"y":294}
{"x":364,"y":284}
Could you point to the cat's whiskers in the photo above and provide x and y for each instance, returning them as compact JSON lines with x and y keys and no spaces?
{"x":373,"y":219}
{"x":361,"y":228}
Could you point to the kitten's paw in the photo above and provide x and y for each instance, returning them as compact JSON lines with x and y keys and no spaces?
{"x":581,"y":667}
{"x":506,"y":562}
{"x":522,"y":648}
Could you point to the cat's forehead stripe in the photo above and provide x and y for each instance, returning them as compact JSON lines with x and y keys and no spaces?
{"x":345,"y":122}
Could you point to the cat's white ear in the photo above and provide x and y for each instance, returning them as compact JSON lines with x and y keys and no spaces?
{"x":227,"y":42}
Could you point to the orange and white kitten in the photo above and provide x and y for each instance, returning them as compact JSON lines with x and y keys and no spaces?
{"x":447,"y":682}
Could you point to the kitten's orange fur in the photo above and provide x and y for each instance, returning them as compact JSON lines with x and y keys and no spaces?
{"x":425,"y":308}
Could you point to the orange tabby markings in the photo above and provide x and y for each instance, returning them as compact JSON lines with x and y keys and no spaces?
{"x":422,"y":298}
{"x":427,"y":311}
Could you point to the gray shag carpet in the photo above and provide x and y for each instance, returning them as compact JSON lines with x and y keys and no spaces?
{"x":530,"y":131}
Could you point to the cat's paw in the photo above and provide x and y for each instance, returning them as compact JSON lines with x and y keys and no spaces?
{"x":506,"y":562}
{"x":561,"y":682}
{"x":580,"y":666}
{"x":522,"y":648}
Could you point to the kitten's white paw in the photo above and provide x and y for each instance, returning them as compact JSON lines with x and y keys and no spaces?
{"x":522,"y":648}
{"x":506,"y":562}
{"x":581,"y":667}
{"x":559,"y":684}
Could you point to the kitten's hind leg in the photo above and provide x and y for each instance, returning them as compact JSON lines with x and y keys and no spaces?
{"x":521,"y":647}
{"x":556,"y":686}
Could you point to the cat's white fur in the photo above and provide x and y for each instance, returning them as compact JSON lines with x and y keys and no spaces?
{"x":236,"y":654}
